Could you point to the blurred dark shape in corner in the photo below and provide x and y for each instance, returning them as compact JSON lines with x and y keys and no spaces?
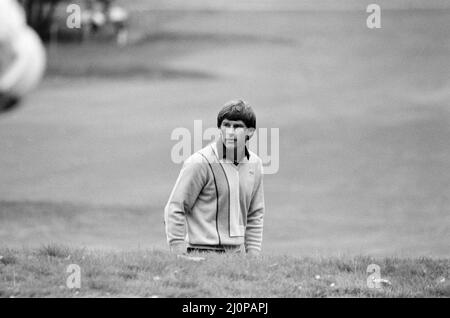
{"x":22,"y":56}
{"x":8,"y":102}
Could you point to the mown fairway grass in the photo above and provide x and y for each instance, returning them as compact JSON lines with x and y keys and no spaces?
{"x":155,"y":273}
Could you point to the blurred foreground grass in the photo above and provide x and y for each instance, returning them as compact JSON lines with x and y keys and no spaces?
{"x":42,"y":272}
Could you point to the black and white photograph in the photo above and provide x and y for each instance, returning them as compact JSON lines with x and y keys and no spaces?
{"x":224,"y":153}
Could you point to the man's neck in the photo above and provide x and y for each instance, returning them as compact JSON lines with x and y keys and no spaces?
{"x":236,"y":155}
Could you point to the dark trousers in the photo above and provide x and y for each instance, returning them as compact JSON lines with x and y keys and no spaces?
{"x":204,"y":250}
{"x":234,"y":249}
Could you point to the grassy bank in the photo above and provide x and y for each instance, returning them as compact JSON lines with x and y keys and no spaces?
{"x":43,"y":272}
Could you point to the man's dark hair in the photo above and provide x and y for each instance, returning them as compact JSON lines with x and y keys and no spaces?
{"x":237,"y":110}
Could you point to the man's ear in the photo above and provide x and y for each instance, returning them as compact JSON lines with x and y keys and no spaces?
{"x":250,"y":132}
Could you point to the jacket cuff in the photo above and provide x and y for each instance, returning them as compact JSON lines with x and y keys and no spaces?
{"x":178,"y":247}
{"x":253,"y":250}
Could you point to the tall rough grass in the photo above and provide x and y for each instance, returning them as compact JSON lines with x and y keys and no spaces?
{"x":43,"y":272}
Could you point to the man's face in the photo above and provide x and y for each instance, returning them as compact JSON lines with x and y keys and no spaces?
{"x":233,"y":133}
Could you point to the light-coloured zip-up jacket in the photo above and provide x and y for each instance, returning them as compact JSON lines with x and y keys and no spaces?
{"x":214,"y":202}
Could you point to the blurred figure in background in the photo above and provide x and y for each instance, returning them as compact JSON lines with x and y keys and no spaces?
{"x":101,"y":15}
{"x":93,"y":18}
{"x":22,"y":56}
{"x":118,"y":17}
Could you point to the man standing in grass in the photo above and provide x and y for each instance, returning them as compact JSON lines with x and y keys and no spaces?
{"x":217,"y":203}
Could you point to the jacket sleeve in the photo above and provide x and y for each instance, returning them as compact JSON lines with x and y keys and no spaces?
{"x":190,"y":182}
{"x":255,"y":217}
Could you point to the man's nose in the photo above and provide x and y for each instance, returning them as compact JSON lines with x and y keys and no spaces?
{"x":230,"y":131}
